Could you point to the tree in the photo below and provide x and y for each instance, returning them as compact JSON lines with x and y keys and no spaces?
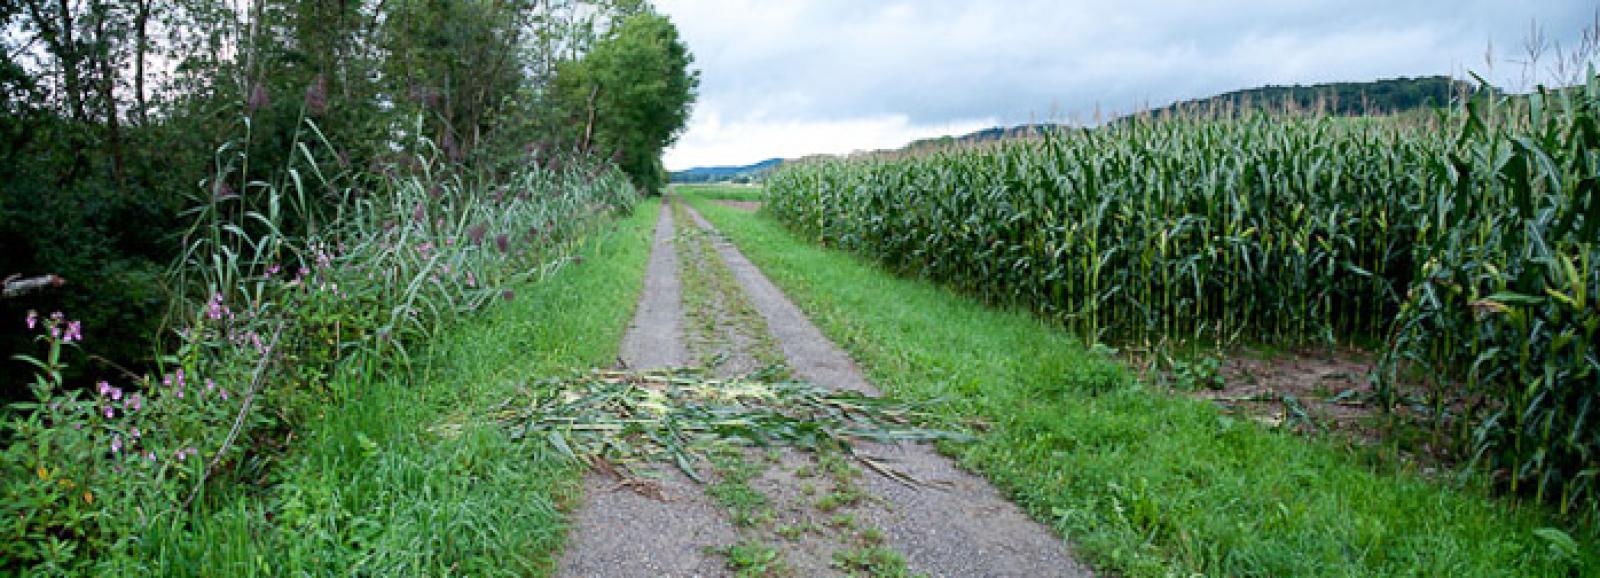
{"x":631,"y":94}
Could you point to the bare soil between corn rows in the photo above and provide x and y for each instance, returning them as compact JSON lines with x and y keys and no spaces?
{"x":952,"y":523}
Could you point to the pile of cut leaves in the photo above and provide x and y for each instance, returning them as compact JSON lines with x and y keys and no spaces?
{"x":611,"y":418}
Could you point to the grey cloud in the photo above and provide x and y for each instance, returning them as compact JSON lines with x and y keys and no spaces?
{"x":940,"y":61}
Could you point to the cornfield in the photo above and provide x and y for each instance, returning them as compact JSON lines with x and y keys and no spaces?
{"x":1465,"y":243}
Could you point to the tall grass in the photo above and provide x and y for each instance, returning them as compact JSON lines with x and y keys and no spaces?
{"x":1465,"y":243}
{"x":292,"y":292}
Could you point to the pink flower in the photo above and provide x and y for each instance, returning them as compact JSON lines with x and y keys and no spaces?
{"x":210,"y":385}
{"x":216,"y":309}
{"x":224,"y":394}
{"x":503,"y":242}
{"x":116,"y":444}
{"x":110,"y":412}
{"x":33,"y":318}
{"x":74,"y":332}
{"x":134,"y":433}
{"x":116,"y":393}
{"x":182,"y":455}
{"x":103,"y":387}
{"x":472,"y":280}
{"x":133,"y":403}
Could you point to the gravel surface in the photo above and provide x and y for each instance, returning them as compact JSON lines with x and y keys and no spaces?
{"x":955,"y":524}
{"x":661,"y":529}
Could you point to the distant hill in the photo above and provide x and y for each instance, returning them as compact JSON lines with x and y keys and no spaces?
{"x":741,"y":174}
{"x":1386,"y":96}
{"x":985,"y":135}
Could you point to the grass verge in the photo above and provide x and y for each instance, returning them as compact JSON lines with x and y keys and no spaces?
{"x":1141,"y":483}
{"x":407,"y":479}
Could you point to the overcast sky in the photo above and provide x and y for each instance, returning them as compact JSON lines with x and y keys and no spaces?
{"x":786,"y":78}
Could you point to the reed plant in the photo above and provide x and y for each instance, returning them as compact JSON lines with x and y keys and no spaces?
{"x":290,"y":293}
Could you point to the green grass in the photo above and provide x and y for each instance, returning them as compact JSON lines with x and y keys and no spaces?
{"x":754,"y":559}
{"x":723,"y":192}
{"x":713,"y":304}
{"x":1142,"y":483}
{"x":410,"y":479}
{"x":747,"y":506}
{"x":874,"y":562}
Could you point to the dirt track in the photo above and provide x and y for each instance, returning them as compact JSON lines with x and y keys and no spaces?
{"x":952,"y":523}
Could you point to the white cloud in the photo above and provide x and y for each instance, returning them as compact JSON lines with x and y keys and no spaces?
{"x":711,"y":141}
{"x":796,"y":77}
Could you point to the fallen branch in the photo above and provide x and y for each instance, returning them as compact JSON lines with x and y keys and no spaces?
{"x":238,"y":423}
{"x":15,"y":286}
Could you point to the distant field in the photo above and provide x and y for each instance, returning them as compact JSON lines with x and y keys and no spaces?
{"x":725,"y":192}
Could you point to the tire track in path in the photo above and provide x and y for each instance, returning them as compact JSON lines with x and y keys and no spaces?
{"x":618,"y":531}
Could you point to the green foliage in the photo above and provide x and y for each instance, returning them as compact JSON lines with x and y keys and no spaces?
{"x":732,"y":490}
{"x":1144,"y":231}
{"x":1505,"y":294}
{"x":211,"y":234}
{"x":872,"y":561}
{"x":407,"y":477}
{"x":754,"y":559}
{"x":1191,"y":375}
{"x":1468,"y":242}
{"x":631,"y":95}
{"x":291,"y":325}
{"x":114,"y":109}
{"x":1141,"y":483}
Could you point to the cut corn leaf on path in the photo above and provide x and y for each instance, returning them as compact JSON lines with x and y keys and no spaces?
{"x":678,"y":417}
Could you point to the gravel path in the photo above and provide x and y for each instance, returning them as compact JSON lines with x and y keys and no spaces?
{"x":954,"y":525}
{"x":618,"y":531}
{"x":957,"y":525}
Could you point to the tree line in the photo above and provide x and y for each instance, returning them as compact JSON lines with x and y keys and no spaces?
{"x":115,"y":113}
